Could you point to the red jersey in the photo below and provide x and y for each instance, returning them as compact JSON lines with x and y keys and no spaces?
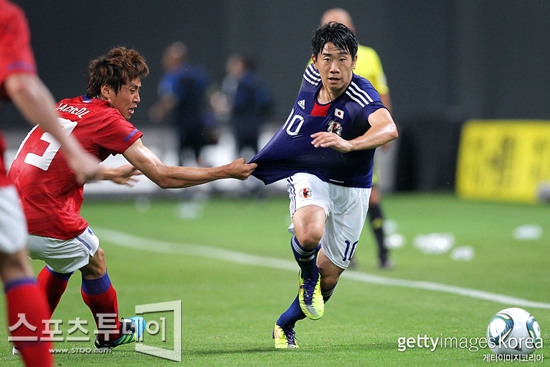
{"x":15,"y":56}
{"x":50,"y":195}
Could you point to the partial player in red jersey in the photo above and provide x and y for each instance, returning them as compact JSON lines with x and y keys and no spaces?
{"x":26,"y":305}
{"x":52,"y":198}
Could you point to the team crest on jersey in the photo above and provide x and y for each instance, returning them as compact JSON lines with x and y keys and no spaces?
{"x":335,"y":127}
{"x":305,"y":193}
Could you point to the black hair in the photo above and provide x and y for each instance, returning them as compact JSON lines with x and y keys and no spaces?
{"x":118,"y":67}
{"x":341,"y":36}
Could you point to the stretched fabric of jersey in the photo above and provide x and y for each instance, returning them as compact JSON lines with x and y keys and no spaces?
{"x":290,"y":150}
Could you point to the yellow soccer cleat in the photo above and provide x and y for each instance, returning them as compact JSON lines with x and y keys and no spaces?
{"x":284,"y":338}
{"x":310,"y":297}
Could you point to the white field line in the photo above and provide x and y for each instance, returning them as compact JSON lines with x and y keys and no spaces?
{"x":126,"y":240}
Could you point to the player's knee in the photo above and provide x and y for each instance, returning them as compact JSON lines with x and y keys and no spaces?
{"x":309,"y":239}
{"x":101,"y":264}
{"x":15,"y":266}
{"x":97,"y":266}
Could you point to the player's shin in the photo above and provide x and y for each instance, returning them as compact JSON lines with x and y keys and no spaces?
{"x":306,"y":259}
{"x":100,"y":296}
{"x":53,"y":284}
{"x":328,"y":293}
{"x":27,"y":314}
{"x":291,"y":315}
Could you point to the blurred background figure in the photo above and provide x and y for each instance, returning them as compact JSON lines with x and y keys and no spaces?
{"x":369,"y":66}
{"x":248,"y":103}
{"x":182,"y":93}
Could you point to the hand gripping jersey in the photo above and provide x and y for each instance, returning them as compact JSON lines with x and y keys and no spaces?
{"x":290,"y":150}
{"x":50,"y":195}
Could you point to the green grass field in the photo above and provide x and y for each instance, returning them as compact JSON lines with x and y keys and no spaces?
{"x":231,"y":299}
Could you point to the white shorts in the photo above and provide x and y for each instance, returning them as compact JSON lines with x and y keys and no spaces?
{"x":64,"y":256}
{"x":345,"y":209}
{"x":13,"y":225}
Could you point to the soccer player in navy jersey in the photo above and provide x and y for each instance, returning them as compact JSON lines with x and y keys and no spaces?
{"x":325,"y":151}
{"x":369,"y":66}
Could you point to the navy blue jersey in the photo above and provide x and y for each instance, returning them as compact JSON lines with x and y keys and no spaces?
{"x":290,"y":150}
{"x":187,"y":84}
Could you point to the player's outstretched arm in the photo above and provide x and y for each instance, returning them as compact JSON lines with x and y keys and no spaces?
{"x":37,"y":105}
{"x":176,"y":176}
{"x":123,"y":175}
{"x":382,"y":130}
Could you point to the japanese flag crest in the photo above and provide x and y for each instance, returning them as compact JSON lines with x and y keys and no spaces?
{"x":335,"y":127}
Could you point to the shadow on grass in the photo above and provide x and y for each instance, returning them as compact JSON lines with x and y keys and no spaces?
{"x":381,"y":346}
{"x":229,"y":351}
{"x":355,"y":347}
{"x":329,"y":348}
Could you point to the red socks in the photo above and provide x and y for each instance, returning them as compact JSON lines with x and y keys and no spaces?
{"x":54,"y":285}
{"x":27,"y":308}
{"x":100,"y":296}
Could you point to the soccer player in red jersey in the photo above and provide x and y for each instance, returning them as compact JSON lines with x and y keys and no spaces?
{"x":26,"y":305}
{"x":52,"y":198}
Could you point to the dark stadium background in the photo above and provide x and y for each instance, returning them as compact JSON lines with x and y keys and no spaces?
{"x":446,"y":61}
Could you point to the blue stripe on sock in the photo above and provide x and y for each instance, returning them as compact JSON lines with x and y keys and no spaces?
{"x":18,"y":282}
{"x":94,"y":287}
{"x":301,"y":253}
{"x":306,"y":259}
{"x":65,"y":276}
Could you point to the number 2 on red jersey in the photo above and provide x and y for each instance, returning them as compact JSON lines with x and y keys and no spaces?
{"x":43,"y":161}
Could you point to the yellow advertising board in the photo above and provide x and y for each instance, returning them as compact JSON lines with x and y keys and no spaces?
{"x":504,"y":160}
